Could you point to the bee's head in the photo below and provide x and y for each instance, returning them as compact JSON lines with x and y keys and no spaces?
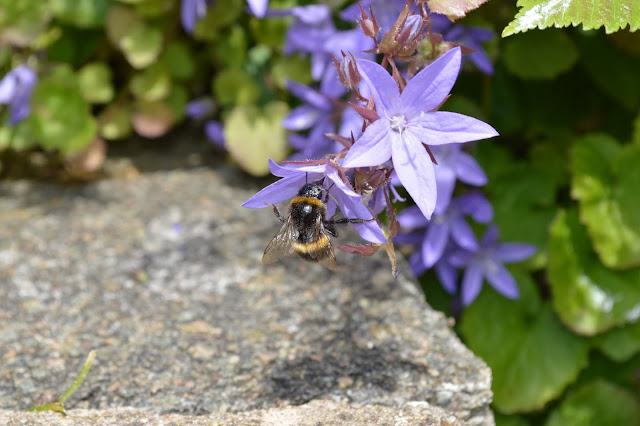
{"x":312,"y":190}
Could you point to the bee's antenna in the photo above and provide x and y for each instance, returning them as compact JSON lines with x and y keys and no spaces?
{"x":328,"y":194}
{"x":306,"y":177}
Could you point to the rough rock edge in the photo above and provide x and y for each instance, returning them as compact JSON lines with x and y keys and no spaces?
{"x":313,"y":413}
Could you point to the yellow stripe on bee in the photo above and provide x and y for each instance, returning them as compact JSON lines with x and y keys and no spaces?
{"x":313,"y":247}
{"x":308,"y":200}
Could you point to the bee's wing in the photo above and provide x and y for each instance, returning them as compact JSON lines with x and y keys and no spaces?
{"x":330,"y":260}
{"x":280,"y":245}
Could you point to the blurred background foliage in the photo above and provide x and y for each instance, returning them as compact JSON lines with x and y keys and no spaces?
{"x":564,"y":174}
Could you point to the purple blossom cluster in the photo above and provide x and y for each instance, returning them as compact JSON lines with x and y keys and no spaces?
{"x":363,"y":127}
{"x":388,"y":130}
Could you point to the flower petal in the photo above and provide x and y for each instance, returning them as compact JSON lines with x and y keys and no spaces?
{"x":277,"y":192}
{"x":415,"y":170}
{"x":502,"y":280}
{"x":427,"y":89}
{"x":514,"y":252}
{"x":314,"y":172}
{"x":382,"y":86}
{"x":471,"y":284}
{"x":309,"y":95}
{"x":351,"y":207}
{"x":448,"y":276}
{"x":373,"y":148}
{"x":301,"y":118}
{"x":476,"y":205}
{"x":412,"y":217}
{"x":445,"y":184}
{"x":463,"y":234}
{"x":409,"y":238}
{"x":490,"y":237}
{"x":440,"y":127}
{"x":469,"y":171}
{"x":8,"y":87}
{"x":319,"y":63}
{"x":258,"y":7}
{"x":434,"y":243}
{"x":416,"y":265}
{"x":460,"y":258}
{"x":215,"y":132}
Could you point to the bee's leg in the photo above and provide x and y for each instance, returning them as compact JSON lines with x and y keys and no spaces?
{"x":331,"y":230}
{"x":277,"y":212}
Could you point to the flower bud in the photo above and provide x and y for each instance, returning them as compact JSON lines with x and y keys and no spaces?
{"x":370,"y":27}
{"x":411,"y":29}
{"x":348,"y":71}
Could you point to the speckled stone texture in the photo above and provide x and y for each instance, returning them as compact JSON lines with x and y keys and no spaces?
{"x":161,"y":274}
{"x":315,"y":413}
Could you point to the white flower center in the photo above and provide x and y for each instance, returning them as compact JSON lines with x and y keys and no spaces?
{"x":398,"y":123}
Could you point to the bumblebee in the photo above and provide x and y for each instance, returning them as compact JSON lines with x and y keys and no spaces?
{"x":306,"y":229}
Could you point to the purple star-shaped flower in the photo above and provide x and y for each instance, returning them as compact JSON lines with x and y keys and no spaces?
{"x":15,"y":91}
{"x":453,"y":164}
{"x":295,"y":176}
{"x":407,"y":120}
{"x":486,"y":262}
{"x":319,"y":114}
{"x":471,"y":37}
{"x":446,"y":226}
{"x":307,"y":34}
{"x":318,"y":108}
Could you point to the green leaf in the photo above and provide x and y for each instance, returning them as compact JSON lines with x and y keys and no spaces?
{"x":454,"y":9}
{"x":81,"y":13}
{"x":270,"y":32}
{"x":598,"y":403}
{"x":140,"y":43}
{"x":635,"y":138}
{"x":540,"y":55}
{"x":178,"y":60}
{"x":151,"y":84}
{"x":115,"y":122}
{"x":517,"y":338}
{"x":510,"y":420}
{"x":232,"y":49}
{"x":523,"y":201}
{"x":592,"y":14}
{"x":507,"y":115}
{"x":235,"y":87}
{"x":154,"y":8}
{"x":587,"y":296}
{"x":60,"y":117}
{"x":22,"y":21}
{"x":17,"y":137}
{"x":177,"y":100}
{"x":614,"y":72}
{"x":220,"y":15}
{"x":75,"y":46}
{"x":292,"y":67}
{"x":620,"y":343}
{"x":253,"y":136}
{"x":605,"y":181}
{"x":95,"y":83}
